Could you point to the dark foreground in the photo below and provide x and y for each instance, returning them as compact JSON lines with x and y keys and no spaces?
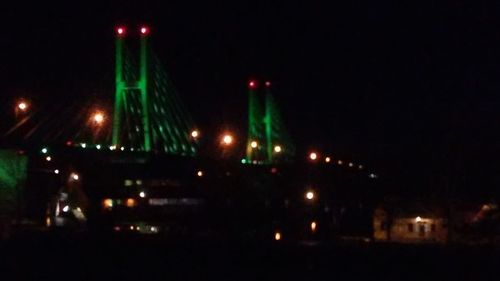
{"x":59,"y":256}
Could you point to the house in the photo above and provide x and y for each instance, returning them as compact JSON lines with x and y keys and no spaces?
{"x":410,"y":224}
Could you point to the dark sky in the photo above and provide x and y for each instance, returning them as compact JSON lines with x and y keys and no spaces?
{"x":407,"y":89}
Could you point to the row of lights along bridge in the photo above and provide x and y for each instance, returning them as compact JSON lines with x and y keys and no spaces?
{"x":98,"y":118}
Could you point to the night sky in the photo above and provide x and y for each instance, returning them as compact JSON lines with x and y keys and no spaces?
{"x":410,"y":90}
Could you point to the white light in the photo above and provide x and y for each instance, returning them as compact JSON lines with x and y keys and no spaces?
{"x":74,"y":176}
{"x":277,"y":149}
{"x":277,"y":236}
{"x":313,"y":156}
{"x":254,"y":144}
{"x":195,"y":134}
{"x":48,"y":158}
{"x":44,"y":150}
{"x":227,"y":139}
{"x":22,"y":106}
{"x":142,"y":194}
{"x":83,"y":145}
{"x":66,"y":208}
{"x":98,"y":146}
{"x":351,"y":164}
{"x":199,"y":173}
{"x":122,"y":148}
{"x":56,"y":171}
{"x":418,"y":219}
{"x":328,"y":159}
{"x":310,"y":195}
{"x":313,"y":226}
{"x":98,"y":118}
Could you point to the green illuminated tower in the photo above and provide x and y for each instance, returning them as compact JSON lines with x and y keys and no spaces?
{"x":268,"y":141}
{"x":148,"y":114}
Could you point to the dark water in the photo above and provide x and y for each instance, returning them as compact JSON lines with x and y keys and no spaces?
{"x":45,"y":256}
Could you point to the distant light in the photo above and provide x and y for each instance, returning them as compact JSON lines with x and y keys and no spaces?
{"x":66,"y":208}
{"x":268,"y":83}
{"x":48,"y":158}
{"x":144,"y":30}
{"x":252,"y":84}
{"x":130,"y":202}
{"x":56,"y":171}
{"x":120,"y":30}
{"x":243,"y":161}
{"x":154,"y":229}
{"x":74,"y":176}
{"x":327,"y":159}
{"x":195,"y":134}
{"x":310,"y":195}
{"x":277,"y":236}
{"x":351,"y":164}
{"x":254,"y":144}
{"x":313,"y":155}
{"x":107,"y":203}
{"x":44,"y":150}
{"x":199,"y":173}
{"x":142,"y":194}
{"x":227,"y":139}
{"x":117,"y":228}
{"x":131,"y":227}
{"x":277,"y":148}
{"x":122,"y":148}
{"x":98,"y":146}
{"x":340,"y":162}
{"x":98,"y":118}
{"x":83,"y":145}
{"x":22,"y":105}
{"x":418,"y":219}
{"x":274,"y":170}
{"x":112,"y":147}
{"x":372,"y":176}
{"x":313,"y":226}
{"x":360,"y":167}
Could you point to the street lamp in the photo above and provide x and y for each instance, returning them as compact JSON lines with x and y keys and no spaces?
{"x":195,"y":134}
{"x":310,"y":195}
{"x":313,"y":156}
{"x":98,"y":118}
{"x":22,"y":106}
{"x":254,"y":144}
{"x":227,"y":139}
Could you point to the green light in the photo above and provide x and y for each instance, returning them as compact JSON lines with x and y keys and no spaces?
{"x":243,"y":161}
{"x":44,"y":150}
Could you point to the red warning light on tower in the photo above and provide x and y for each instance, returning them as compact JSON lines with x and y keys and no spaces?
{"x":144,"y":30}
{"x":120,"y":30}
{"x":252,"y":84}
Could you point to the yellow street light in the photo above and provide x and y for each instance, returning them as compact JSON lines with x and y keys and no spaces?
{"x":313,"y":226}
{"x":277,"y":236}
{"x":254,"y":144}
{"x":313,"y":156}
{"x":227,"y":139}
{"x":310,"y":195}
{"x":23,"y":106}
